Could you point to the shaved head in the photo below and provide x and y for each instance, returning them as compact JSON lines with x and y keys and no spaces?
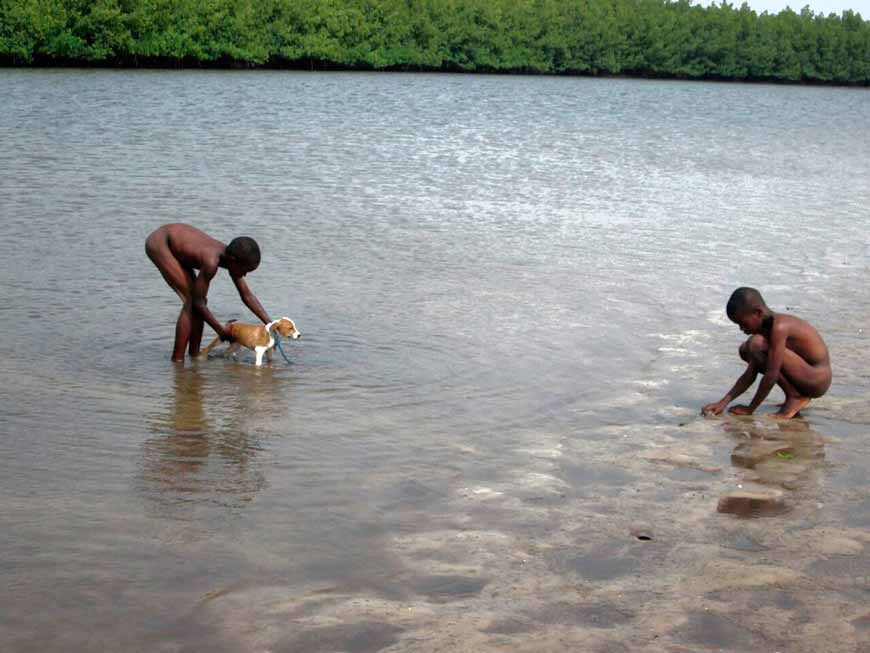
{"x":744,"y":299}
{"x":246,"y":251}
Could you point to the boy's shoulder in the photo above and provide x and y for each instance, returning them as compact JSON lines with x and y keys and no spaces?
{"x":787,"y":321}
{"x":791,"y":324}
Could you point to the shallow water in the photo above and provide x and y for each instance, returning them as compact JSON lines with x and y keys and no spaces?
{"x":511,"y":292}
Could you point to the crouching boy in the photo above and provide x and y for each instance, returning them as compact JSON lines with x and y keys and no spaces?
{"x":787,"y":351}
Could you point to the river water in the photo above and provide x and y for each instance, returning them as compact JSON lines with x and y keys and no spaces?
{"x":511,"y":292}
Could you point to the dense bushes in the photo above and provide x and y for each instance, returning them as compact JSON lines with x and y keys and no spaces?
{"x":633,"y":37}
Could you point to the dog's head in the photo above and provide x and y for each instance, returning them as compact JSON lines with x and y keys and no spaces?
{"x":287,"y":328}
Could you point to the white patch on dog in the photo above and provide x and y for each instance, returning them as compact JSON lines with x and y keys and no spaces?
{"x":262,"y":350}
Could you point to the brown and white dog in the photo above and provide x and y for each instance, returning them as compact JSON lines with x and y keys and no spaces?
{"x":258,"y":337}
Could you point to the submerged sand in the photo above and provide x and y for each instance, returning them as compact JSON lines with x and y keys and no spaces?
{"x":618,"y":547}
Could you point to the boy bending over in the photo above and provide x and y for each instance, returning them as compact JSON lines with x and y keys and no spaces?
{"x":179,"y":251}
{"x":786,"y":350}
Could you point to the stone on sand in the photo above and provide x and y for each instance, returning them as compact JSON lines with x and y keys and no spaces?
{"x":754,"y":501}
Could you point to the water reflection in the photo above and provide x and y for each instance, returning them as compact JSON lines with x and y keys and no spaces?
{"x":203,"y":457}
{"x":181,"y":441}
{"x":779,"y":463}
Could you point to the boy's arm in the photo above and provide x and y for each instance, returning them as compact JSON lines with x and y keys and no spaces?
{"x":775,"y":356}
{"x":740,"y":386}
{"x":250,"y":300}
{"x":200,"y":303}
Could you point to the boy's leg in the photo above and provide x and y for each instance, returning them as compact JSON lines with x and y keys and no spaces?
{"x":799,"y":380}
{"x":808,"y":380}
{"x":196,"y":335}
{"x":196,"y":326}
{"x":754,"y":349}
{"x":180,"y":280}
{"x":182,"y":332}
{"x":803,"y":379}
{"x":794,"y":402}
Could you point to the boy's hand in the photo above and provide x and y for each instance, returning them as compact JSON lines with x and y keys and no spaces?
{"x":740,"y":410}
{"x":226,"y":335}
{"x":713,"y":409}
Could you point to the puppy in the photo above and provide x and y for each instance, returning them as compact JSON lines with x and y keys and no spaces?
{"x":258,"y":337}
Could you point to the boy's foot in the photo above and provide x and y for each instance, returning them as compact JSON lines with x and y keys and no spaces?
{"x":792,"y":407}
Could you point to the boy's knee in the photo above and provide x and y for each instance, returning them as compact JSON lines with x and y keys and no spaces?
{"x":757,"y":344}
{"x":754,"y":348}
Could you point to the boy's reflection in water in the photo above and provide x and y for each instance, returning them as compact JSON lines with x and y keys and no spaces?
{"x":201,"y":463}
{"x":784,"y":455}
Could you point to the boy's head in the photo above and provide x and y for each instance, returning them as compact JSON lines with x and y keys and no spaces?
{"x":243,"y":254}
{"x":746,"y":308}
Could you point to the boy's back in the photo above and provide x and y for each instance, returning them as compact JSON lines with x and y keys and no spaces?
{"x":190,"y":246}
{"x":802,"y":338}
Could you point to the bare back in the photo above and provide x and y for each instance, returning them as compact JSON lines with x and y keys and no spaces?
{"x":803,"y":339}
{"x":193,"y":248}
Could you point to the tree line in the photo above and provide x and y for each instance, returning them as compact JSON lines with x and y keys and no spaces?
{"x":649,"y":38}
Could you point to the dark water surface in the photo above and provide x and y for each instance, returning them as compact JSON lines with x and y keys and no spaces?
{"x":511,"y":292}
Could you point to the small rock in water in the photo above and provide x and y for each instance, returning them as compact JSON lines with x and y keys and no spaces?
{"x":752,"y":503}
{"x":643,"y":534}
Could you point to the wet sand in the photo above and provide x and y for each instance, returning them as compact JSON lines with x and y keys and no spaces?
{"x":620,"y":550}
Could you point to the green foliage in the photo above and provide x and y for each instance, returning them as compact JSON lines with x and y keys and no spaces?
{"x":660,"y":38}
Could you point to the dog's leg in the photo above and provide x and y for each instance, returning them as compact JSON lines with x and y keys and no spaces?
{"x":203,"y":353}
{"x":232,"y":349}
{"x":269,"y":354}
{"x":260,"y":351}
